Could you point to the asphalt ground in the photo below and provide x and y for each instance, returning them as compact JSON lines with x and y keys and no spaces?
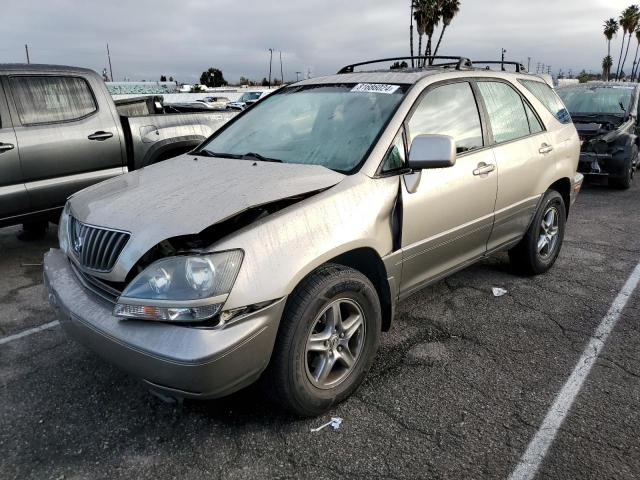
{"x":459,"y":388}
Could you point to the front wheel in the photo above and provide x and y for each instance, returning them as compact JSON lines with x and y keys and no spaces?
{"x":327,"y":341}
{"x":624,"y":182}
{"x":538,"y":250}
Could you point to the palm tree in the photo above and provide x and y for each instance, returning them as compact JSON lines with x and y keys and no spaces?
{"x":635,"y":57}
{"x":432,"y":16}
{"x":607,"y":63}
{"x":629,"y":22}
{"x":411,"y":34}
{"x":418,"y":15}
{"x":449,"y":10}
{"x":634,"y":20}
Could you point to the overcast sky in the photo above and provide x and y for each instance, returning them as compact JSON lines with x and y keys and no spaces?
{"x":182,"y":38}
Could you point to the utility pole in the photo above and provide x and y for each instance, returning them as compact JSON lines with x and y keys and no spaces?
{"x":298,"y":76}
{"x":503,"y":52}
{"x":281,"y":74}
{"x":26,"y":49}
{"x":109,"y":57}
{"x":528,"y":64}
{"x":270,"y":61}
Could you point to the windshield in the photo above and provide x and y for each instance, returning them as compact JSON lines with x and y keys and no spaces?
{"x":605,"y":100}
{"x":329,"y":125}
{"x":247,"y":97}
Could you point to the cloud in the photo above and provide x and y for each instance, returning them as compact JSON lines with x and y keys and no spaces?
{"x":182,"y":38}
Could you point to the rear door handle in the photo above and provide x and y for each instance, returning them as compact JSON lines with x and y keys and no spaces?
{"x":5,"y":147}
{"x":544,"y":148}
{"x":484,"y":169}
{"x":100,"y":136}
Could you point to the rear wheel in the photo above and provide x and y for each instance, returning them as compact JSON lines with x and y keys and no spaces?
{"x":538,"y":250}
{"x":327,"y":341}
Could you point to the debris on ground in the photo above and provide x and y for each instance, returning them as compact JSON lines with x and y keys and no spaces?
{"x":334,"y":423}
{"x":499,"y":292}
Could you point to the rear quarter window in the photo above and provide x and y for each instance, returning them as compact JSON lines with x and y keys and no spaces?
{"x":47,"y":99}
{"x":548,"y":98}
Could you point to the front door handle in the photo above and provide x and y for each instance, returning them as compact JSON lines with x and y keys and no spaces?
{"x":484,"y":169}
{"x":544,"y":149}
{"x":5,"y":147}
{"x":100,"y":136}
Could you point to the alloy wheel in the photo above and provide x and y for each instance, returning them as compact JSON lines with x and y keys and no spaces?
{"x":548,"y":235}
{"x":335,"y":343}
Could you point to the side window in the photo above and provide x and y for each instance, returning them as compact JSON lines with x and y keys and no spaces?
{"x":449,"y":110}
{"x":44,"y":99}
{"x":534,"y":123}
{"x":395,"y":157}
{"x":506,"y":111}
{"x":548,"y":98}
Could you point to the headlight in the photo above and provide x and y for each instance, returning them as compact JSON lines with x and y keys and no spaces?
{"x":182,"y":288}
{"x":63,"y":229}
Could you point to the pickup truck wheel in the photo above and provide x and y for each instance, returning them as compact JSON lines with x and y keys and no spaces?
{"x":538,"y":250}
{"x":326,"y":342}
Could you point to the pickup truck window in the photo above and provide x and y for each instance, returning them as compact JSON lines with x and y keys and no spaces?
{"x":48,"y":99}
{"x":329,"y":125}
{"x":506,"y":111}
{"x":449,"y":110}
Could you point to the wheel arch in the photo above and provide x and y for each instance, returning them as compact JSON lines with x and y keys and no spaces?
{"x":367,"y":261}
{"x":563,"y":187}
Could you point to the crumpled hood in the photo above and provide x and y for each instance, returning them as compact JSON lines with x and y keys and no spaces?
{"x":187,"y":194}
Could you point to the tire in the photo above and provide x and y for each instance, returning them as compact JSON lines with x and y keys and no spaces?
{"x":528,"y":257}
{"x":624,"y":183}
{"x":35,"y":230}
{"x":295,"y":378}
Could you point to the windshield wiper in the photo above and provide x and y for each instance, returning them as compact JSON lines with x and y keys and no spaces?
{"x":262,"y":158}
{"x":257,"y":156}
{"x":208,"y":153}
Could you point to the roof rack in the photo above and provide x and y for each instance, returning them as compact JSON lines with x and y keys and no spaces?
{"x":459,"y":62}
{"x":520,"y":68}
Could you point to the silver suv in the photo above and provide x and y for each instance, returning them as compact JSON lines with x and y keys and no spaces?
{"x":280,"y":247}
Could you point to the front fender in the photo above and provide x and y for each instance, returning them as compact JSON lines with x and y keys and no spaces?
{"x":283,"y":248}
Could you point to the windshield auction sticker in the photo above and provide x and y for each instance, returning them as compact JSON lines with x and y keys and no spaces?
{"x":375,"y":88}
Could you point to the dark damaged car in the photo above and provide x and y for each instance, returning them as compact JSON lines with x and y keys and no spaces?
{"x":606,"y":117}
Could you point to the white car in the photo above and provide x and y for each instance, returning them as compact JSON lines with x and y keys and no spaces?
{"x":248,"y":98}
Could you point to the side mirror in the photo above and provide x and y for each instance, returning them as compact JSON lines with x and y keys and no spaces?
{"x":432,"y":151}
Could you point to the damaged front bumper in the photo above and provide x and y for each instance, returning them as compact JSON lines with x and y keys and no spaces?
{"x":597,"y":164}
{"x":173,"y":360}
{"x":601,"y":165}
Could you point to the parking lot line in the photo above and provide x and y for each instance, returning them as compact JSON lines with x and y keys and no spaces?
{"x":536,"y":451}
{"x":28,"y":332}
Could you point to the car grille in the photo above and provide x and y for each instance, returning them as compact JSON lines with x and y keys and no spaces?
{"x":96,"y":248}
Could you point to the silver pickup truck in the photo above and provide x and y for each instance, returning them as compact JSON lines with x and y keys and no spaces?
{"x":60,"y":131}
